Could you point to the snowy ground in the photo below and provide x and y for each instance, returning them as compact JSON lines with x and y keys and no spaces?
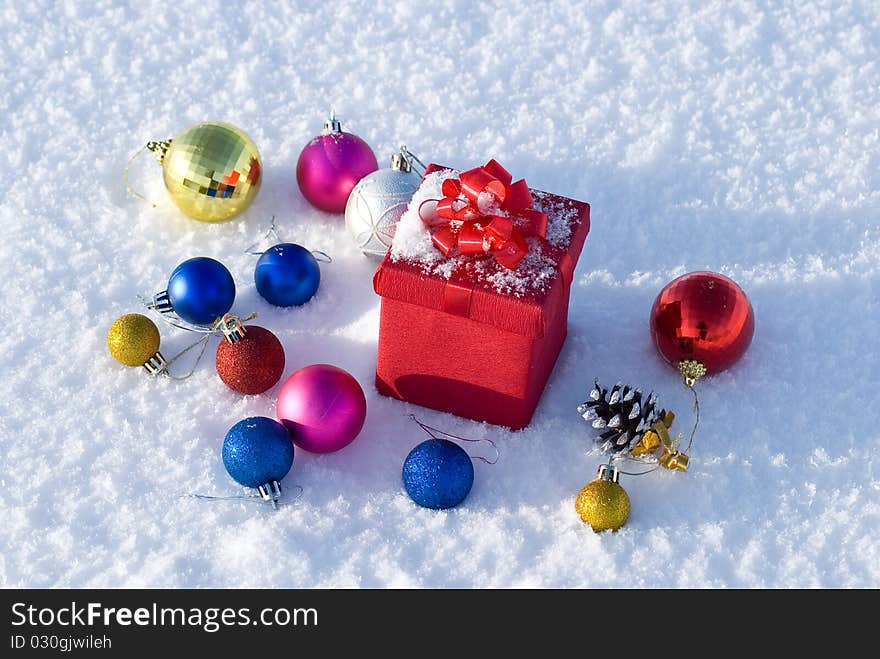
{"x":736,"y":136}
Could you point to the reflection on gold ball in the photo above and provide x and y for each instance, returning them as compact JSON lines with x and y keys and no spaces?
{"x":212,"y":171}
{"x":603,"y":505}
{"x":133,"y":339}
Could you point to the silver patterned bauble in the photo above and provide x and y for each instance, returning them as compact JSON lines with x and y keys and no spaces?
{"x":377,"y":202}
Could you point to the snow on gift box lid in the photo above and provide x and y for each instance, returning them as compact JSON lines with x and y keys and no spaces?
{"x":478,"y":287}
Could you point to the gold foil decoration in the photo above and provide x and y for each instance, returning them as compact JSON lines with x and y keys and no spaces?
{"x":671,"y":458}
{"x":691,"y":370}
{"x":674,"y":459}
{"x":649,"y":444}
{"x":650,"y":441}
{"x":159,"y":149}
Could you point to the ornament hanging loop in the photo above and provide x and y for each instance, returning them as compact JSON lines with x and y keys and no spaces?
{"x":266,"y":493}
{"x":405,"y":160}
{"x":270,"y":232}
{"x":161,"y":303}
{"x":159,"y":149}
{"x":129,"y":189}
{"x":617,"y":457}
{"x":273,"y":231}
{"x":431,"y":432}
{"x":201,"y":342}
{"x":230,"y":326}
{"x":691,"y":371}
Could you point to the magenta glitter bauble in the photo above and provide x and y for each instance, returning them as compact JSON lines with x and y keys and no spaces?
{"x":330,"y":166}
{"x":323,"y":407}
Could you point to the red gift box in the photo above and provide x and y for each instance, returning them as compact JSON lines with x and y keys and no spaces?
{"x":461,"y":346}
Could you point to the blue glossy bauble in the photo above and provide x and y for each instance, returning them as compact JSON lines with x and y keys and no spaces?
{"x":438,"y":474}
{"x":257,"y":451}
{"x":287,"y":275}
{"x":201,"y":290}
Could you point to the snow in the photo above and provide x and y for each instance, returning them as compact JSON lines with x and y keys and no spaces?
{"x":742,"y":137}
{"x":412,"y":239}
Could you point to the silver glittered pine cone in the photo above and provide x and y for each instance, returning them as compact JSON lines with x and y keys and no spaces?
{"x":377,"y":202}
{"x":623,"y":415}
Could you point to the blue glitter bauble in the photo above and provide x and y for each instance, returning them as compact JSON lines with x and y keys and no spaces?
{"x":287,"y":275}
{"x":257,"y":450}
{"x":438,"y":474}
{"x":201,"y":290}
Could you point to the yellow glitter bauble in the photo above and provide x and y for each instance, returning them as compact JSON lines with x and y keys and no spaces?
{"x":603,"y":504}
{"x":133,"y":339}
{"x":212,"y":171}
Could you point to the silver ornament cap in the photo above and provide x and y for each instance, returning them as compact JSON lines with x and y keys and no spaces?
{"x":332,"y":124}
{"x":377,"y":202}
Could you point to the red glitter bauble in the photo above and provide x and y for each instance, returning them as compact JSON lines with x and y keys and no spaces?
{"x":702,"y":316}
{"x":253,"y":364}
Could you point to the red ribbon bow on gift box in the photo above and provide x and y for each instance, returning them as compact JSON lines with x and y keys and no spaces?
{"x":494,"y":216}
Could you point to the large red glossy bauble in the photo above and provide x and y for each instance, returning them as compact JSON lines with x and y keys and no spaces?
{"x":702,"y":316}
{"x":252,"y":365}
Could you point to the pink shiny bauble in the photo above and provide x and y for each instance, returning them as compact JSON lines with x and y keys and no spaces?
{"x":330,"y":166}
{"x":702,"y":316}
{"x":323,"y":407}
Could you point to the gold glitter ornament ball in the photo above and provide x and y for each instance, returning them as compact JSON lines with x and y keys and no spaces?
{"x":212,"y":171}
{"x":603,"y":504}
{"x":133,"y":339}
